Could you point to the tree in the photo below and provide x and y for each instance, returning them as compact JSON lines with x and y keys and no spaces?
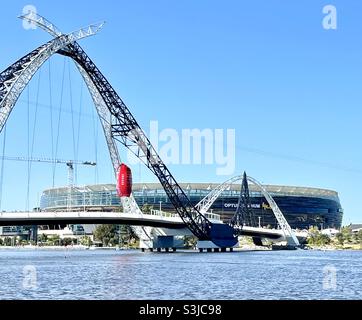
{"x":107,"y":233}
{"x":85,"y":241}
{"x":146,"y":208}
{"x":190,"y":242}
{"x":54,"y":240}
{"x":43,"y":238}
{"x":323,"y":240}
{"x":67,"y":241}
{"x":347,"y":234}
{"x":7,"y":241}
{"x":340,"y":238}
{"x":317,"y":238}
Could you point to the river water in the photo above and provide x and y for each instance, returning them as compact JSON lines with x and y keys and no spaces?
{"x":110,"y":274}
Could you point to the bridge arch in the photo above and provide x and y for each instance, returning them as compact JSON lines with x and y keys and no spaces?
{"x":15,"y":78}
{"x":205,"y":204}
{"x":129,"y":204}
{"x":126,"y":130}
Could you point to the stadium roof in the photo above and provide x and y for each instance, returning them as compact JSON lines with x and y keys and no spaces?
{"x":274,"y":189}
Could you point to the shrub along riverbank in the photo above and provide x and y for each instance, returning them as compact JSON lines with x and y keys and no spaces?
{"x":344,"y":240}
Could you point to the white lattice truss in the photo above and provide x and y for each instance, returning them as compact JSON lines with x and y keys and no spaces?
{"x":16,"y":77}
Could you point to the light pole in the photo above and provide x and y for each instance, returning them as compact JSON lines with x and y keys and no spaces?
{"x":259,"y":222}
{"x":160,"y":206}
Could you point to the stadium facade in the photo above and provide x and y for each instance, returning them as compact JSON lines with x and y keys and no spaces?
{"x":303,"y":207}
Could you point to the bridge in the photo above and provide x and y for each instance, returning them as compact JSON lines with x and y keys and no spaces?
{"x":171,"y":224}
{"x":161,"y":220}
{"x":120,"y":127}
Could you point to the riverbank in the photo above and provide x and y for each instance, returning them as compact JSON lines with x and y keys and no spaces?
{"x":244,"y":247}
{"x":335,"y":247}
{"x":71,"y":247}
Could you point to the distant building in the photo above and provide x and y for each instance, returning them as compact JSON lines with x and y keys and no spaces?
{"x":356,"y":227}
{"x":16,"y":231}
{"x":330,"y":232}
{"x":71,"y":231}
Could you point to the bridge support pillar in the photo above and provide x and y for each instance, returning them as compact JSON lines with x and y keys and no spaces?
{"x":167,"y":242}
{"x":209,"y":246}
{"x":34,"y":234}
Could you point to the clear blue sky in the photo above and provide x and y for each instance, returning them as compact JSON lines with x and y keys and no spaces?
{"x":290,"y":89}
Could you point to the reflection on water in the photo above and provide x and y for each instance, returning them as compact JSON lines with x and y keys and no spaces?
{"x":104,"y":274}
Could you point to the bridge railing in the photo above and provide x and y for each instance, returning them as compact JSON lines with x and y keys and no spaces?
{"x":212,"y":216}
{"x":162,"y":214}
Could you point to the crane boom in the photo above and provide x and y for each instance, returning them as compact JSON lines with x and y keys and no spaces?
{"x":49,"y":160}
{"x":70,"y":164}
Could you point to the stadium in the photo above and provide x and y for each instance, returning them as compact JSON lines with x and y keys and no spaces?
{"x":303,"y":207}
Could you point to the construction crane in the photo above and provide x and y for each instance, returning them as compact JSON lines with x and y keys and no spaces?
{"x":70,"y":164}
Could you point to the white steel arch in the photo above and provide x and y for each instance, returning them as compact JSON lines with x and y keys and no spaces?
{"x":205,"y":204}
{"x":15,"y":78}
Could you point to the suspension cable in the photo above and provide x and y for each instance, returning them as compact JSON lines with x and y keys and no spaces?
{"x":72,"y":111}
{"x":30,"y":163}
{"x":51,"y":115}
{"x":2,"y":167}
{"x":59,"y":118}
{"x":79,"y":125}
{"x":28,"y":149}
{"x":95,"y":133}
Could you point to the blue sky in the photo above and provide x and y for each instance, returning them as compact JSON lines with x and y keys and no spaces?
{"x":268,"y":69}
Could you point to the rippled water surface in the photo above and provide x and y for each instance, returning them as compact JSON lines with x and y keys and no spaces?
{"x":104,"y":274}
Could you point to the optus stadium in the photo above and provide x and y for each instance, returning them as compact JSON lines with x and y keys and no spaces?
{"x":302,"y":207}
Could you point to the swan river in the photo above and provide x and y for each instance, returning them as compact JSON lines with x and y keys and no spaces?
{"x":186,"y":275}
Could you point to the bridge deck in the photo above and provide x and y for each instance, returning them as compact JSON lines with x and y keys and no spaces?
{"x":88,"y":217}
{"x":46,"y":218}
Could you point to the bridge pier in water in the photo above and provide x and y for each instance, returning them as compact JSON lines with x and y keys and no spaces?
{"x":209,"y":246}
{"x":162,"y":243}
{"x":172,"y":243}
